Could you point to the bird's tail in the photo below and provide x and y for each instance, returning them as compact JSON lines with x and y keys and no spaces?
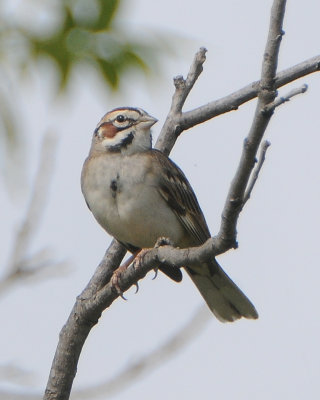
{"x":227,"y":302}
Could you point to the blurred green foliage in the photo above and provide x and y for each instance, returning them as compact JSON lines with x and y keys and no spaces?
{"x":91,"y":37}
{"x":85,"y":31}
{"x":68,"y":33}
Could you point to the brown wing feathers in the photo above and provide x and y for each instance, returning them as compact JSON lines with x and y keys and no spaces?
{"x":177,"y":191}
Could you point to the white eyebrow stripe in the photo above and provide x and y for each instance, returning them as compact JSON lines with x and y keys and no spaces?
{"x":129,"y":114}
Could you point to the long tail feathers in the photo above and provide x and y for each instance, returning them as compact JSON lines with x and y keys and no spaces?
{"x":227,"y":302}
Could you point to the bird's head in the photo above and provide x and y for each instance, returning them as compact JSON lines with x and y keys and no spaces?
{"x":125,"y":130}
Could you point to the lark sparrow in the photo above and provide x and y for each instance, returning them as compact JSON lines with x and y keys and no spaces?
{"x":137,"y":194}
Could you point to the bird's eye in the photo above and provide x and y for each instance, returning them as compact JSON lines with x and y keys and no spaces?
{"x":120,"y":118}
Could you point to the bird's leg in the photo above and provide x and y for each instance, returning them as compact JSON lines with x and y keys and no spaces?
{"x":162,"y":241}
{"x":136,"y":258}
{"x":119,"y":271}
{"x":139,"y":257}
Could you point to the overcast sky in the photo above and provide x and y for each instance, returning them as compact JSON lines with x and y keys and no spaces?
{"x":277,"y":263}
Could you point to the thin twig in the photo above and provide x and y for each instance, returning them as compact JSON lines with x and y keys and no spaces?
{"x":171,"y":128}
{"x":283,"y":99}
{"x":255,"y":173}
{"x":183,"y":87}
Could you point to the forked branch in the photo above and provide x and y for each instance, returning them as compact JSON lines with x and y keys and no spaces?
{"x":99,"y":293}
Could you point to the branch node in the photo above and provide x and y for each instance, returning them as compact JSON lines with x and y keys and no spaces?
{"x":236,"y":202}
{"x":179,"y":82}
{"x":225,"y":242}
{"x":247,"y":144}
{"x":269,"y":108}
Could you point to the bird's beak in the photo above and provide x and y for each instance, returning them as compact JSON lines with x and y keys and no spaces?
{"x":148,"y":120}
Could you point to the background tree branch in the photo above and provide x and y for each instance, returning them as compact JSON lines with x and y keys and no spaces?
{"x":146,"y":364}
{"x":149,"y":362}
{"x":99,"y":294}
{"x":21,"y":264}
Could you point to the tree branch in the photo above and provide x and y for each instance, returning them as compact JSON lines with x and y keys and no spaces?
{"x":256,"y":172}
{"x":267,"y":94}
{"x":148,"y":363}
{"x":178,"y":121}
{"x":84,"y":315}
{"x":20,"y":261}
{"x":143,"y":366}
{"x":234,"y":100}
{"x":99,"y":294}
{"x":172,"y":126}
{"x":283,"y":99}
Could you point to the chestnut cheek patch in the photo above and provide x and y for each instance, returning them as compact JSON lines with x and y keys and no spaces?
{"x":107,"y":130}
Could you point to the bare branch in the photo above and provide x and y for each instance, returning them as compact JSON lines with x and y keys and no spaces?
{"x":194,"y":73}
{"x":18,"y":262}
{"x":178,"y":121}
{"x":256,"y":171}
{"x":234,"y":100}
{"x":148,"y":363}
{"x":145,"y":365}
{"x":280,"y":100}
{"x":84,"y":315}
{"x":226,"y":238}
{"x":267,"y":93}
{"x":171,"y":128}
{"x":37,"y":202}
{"x":99,"y":294}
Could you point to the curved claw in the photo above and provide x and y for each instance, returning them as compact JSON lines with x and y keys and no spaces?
{"x":117,"y":289}
{"x":115,"y":281}
{"x":122,"y":296}
{"x":155,"y":273}
{"x":137,"y":288}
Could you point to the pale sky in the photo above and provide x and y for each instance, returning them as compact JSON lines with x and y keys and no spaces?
{"x":277,"y":263}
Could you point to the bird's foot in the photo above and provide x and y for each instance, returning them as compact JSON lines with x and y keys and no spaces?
{"x":139,"y":260}
{"x":116,"y":277}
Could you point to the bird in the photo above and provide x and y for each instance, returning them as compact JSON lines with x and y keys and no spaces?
{"x":138,"y":195}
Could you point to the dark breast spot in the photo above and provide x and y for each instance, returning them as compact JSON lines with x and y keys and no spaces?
{"x":114,"y":187}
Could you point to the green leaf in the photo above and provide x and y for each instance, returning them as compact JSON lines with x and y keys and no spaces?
{"x":109,"y":71}
{"x":55,"y":48}
{"x":108,"y":9}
